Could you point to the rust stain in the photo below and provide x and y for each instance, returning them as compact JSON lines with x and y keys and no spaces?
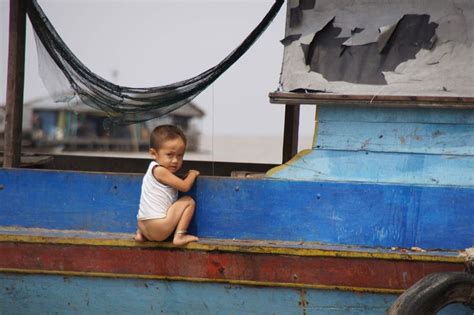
{"x":303,"y":303}
{"x":216,"y":267}
{"x":365,"y":144}
{"x":402,"y":140}
{"x":417,"y":137}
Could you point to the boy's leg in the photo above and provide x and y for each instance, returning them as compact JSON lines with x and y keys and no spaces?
{"x":179,"y":216}
{"x":181,"y":237}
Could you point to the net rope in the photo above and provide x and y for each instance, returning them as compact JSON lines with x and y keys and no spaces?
{"x":67,"y":79}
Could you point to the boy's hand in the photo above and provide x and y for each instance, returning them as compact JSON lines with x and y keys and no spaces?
{"x":193,"y":172}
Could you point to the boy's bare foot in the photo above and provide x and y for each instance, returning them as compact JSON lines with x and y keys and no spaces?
{"x":181,"y":239}
{"x":139,"y":237}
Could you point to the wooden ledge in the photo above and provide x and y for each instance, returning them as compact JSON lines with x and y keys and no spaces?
{"x":255,"y":263}
{"x":28,"y":161}
{"x":307,"y":249}
{"x":395,"y":101}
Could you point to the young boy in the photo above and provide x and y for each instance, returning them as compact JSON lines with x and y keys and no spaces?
{"x":160,"y":211}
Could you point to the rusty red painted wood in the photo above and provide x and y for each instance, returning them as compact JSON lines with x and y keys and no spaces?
{"x":221,"y":266}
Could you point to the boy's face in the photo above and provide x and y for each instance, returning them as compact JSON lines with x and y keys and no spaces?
{"x":170,"y":154}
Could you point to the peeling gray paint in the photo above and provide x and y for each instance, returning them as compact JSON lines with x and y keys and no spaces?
{"x":442,"y":64}
{"x":307,"y":4}
{"x":365,"y":63}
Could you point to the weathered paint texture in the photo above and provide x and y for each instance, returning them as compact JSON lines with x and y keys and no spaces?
{"x":361,"y":274}
{"x":379,"y":47}
{"x":388,"y":145}
{"x":177,"y":279}
{"x":261,"y":209}
{"x":127,"y":296}
{"x":81,"y":295}
{"x":330,"y":55}
{"x":69,"y":200}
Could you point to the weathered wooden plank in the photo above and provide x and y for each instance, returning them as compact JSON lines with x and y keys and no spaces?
{"x":59,"y":294}
{"x":290,"y":133}
{"x":68,"y":200}
{"x":426,"y":131}
{"x":440,"y":138}
{"x":380,"y":167}
{"x":32,"y":161}
{"x":389,"y":101}
{"x":364,"y":274}
{"x":139,"y":165}
{"x":64,"y":295}
{"x":307,"y":249}
{"x":394,"y":115}
{"x":343,"y":213}
{"x":15,"y":83}
{"x":338,"y":213}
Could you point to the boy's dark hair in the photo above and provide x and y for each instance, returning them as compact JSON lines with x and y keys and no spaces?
{"x":164,"y":133}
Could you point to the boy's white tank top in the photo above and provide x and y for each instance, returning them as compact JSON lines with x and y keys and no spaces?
{"x":156,"y":198}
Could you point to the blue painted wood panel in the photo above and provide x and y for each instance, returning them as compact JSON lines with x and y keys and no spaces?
{"x":74,"y":295}
{"x":37,"y":294}
{"x":387,"y":145}
{"x":439,"y":138}
{"x":335,"y":212}
{"x":266,"y":209}
{"x":395,"y":115}
{"x":380,"y":167}
{"x":431,"y":131}
{"x":69,"y":200}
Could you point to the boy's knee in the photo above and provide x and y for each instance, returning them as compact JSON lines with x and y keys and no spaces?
{"x":189,"y":200}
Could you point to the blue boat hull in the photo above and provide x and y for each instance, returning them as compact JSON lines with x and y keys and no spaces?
{"x":244,"y":209}
{"x":40,"y":294}
{"x":386,"y":215}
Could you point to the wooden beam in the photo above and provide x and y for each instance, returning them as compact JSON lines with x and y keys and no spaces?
{"x":397,"y":101}
{"x":290,"y":136}
{"x":15,"y":83}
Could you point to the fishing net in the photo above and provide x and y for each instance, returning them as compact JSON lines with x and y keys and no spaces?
{"x":67,"y":79}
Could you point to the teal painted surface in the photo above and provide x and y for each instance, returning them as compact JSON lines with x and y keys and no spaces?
{"x":75,"y":295}
{"x":260,"y":209}
{"x":385,"y":145}
{"x":37,"y":294}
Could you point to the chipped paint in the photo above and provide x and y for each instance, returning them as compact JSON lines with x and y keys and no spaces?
{"x":303,"y":303}
{"x":359,"y":25}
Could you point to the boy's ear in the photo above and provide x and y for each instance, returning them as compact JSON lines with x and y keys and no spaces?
{"x":153,"y":152}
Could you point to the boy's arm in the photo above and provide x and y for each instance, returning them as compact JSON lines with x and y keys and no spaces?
{"x":168,"y":178}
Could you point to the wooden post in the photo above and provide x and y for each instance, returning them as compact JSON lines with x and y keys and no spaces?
{"x":15,"y":83}
{"x":290,"y":136}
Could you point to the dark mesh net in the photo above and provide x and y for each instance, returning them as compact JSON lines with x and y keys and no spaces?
{"x":67,"y":79}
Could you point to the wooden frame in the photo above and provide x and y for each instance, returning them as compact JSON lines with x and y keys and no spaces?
{"x":290,"y":133}
{"x":15,"y":83}
{"x":292,"y":102}
{"x":397,"y":101}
